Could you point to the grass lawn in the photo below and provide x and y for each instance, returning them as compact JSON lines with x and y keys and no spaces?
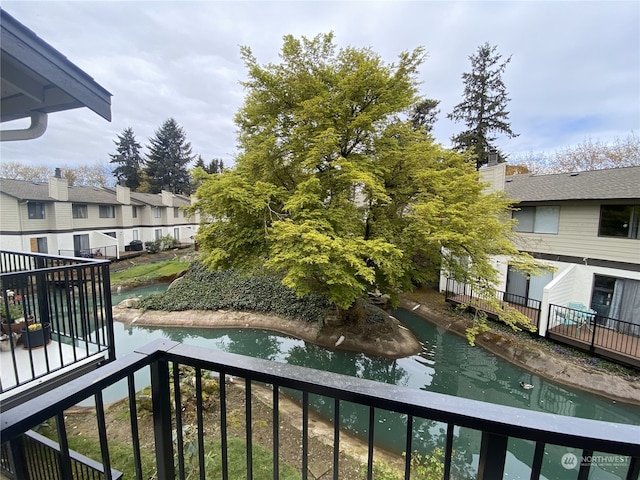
{"x":148,"y":272}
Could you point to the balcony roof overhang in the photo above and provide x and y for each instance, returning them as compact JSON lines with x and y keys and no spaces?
{"x":38,"y":80}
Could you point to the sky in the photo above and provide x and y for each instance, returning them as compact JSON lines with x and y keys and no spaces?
{"x":574,"y":73}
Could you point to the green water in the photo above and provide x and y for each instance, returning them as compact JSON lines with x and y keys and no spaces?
{"x":446,"y":365}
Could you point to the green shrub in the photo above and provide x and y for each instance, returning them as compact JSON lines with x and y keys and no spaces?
{"x":202,"y":289}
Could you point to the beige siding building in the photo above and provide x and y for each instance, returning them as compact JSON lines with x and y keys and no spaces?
{"x":587,"y":226}
{"x":67,"y":220}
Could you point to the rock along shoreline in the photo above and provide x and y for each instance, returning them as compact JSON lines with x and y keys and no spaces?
{"x":399,"y":344}
{"x":535,"y":359}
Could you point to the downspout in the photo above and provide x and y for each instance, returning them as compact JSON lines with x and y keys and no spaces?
{"x":36,"y":129}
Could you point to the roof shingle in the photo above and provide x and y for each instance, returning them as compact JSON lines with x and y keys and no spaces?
{"x":610,"y":184}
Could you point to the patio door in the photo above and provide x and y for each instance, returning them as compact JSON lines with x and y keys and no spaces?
{"x":81,"y":246}
{"x":617,"y":303}
{"x":521,"y":290}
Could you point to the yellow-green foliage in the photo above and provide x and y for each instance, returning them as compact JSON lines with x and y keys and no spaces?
{"x":336,"y":191}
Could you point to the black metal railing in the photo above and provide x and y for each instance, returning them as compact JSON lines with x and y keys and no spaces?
{"x":586,"y":329}
{"x":464,"y":293}
{"x":43,"y":460}
{"x":496,"y":425}
{"x":67,"y":299}
{"x":104,"y":252}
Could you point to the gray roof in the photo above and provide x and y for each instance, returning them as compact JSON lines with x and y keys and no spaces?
{"x":38,"y":78}
{"x":39,"y":191}
{"x":610,"y":184}
{"x":155,"y":199}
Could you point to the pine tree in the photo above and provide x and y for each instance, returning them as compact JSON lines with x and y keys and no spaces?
{"x":168,"y":157}
{"x":484,"y":107}
{"x":424,"y":115}
{"x":128,"y":159}
{"x":215,"y":166}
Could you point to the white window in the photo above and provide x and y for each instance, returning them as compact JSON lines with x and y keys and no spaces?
{"x":107,"y":211}
{"x":158,"y":233}
{"x":176,"y":233}
{"x":36,"y":210}
{"x":543,"y":219}
{"x":79,"y":210}
{"x":135,"y":235}
{"x":156,"y":212}
{"x":176,"y":212}
{"x":134,"y":212}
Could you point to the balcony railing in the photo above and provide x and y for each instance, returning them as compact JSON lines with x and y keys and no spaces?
{"x":42,"y":461}
{"x":464,"y":293}
{"x":600,"y":335}
{"x":497,"y":425}
{"x":71,"y":300}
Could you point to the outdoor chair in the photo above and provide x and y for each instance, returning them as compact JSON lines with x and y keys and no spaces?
{"x":576,"y":314}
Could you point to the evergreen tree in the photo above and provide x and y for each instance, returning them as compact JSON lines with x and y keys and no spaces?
{"x":200,"y":163}
{"x":167,"y":160}
{"x":128,"y":171}
{"x":484,"y":107}
{"x":424,"y":115}
{"x":215,"y":166}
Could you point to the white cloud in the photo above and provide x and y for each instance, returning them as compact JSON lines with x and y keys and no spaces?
{"x":574,"y":72}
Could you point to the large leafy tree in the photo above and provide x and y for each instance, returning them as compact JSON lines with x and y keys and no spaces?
{"x":128,"y":159}
{"x":334,"y":187}
{"x":484,"y":106}
{"x":168,"y":159}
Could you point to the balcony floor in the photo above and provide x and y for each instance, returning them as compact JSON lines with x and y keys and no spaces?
{"x":59,"y":358}
{"x":628,"y":346}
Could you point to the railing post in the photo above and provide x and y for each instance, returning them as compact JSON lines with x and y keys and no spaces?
{"x":493,"y":454}
{"x":592,"y":349}
{"x":108,"y":307}
{"x":18,"y":460}
{"x":42,"y":292}
{"x":161,"y":398}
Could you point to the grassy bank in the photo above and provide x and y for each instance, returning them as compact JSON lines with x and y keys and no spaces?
{"x":149,"y":272}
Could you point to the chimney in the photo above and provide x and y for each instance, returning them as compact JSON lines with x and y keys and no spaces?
{"x":167,"y":198}
{"x":123,"y":194}
{"x":493,"y":158}
{"x":58,"y":187}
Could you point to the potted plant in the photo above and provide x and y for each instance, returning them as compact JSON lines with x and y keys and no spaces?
{"x":13,"y":319}
{"x":36,"y":335}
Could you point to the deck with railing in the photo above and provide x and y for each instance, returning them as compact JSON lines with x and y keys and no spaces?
{"x":496,"y":425}
{"x":464,"y":294}
{"x":607,"y":337}
{"x":70,"y":299}
{"x":604,"y":336}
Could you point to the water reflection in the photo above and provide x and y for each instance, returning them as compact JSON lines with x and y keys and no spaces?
{"x":446,"y":365}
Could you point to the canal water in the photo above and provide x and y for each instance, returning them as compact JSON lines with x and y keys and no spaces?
{"x":447,"y":364}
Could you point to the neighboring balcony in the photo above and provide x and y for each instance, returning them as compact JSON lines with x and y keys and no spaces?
{"x":59,"y":312}
{"x":579,"y":326}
